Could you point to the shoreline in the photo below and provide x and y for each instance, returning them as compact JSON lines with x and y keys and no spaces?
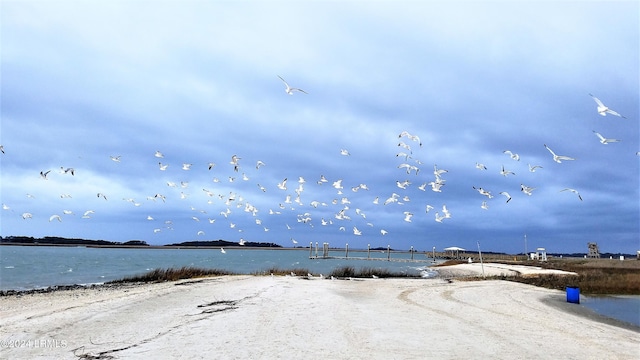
{"x":383,"y":318}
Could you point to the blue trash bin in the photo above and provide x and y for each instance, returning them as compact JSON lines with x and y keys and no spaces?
{"x":573,"y":294}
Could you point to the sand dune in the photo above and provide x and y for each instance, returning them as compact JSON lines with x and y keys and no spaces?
{"x":256,"y":317}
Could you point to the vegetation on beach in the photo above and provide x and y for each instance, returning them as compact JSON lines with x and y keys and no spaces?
{"x":171,"y":274}
{"x":595,"y":276}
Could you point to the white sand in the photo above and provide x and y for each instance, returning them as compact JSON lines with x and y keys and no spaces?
{"x":262,"y":317}
{"x":496,"y":269}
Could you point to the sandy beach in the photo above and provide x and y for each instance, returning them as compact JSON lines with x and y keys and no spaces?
{"x":285,"y":317}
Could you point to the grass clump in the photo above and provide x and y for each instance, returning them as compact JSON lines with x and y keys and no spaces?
{"x":171,"y":274}
{"x":281,"y":272}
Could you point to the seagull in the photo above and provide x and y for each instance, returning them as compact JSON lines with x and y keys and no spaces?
{"x":513,"y":156}
{"x":506,"y":194}
{"x":115,"y":158}
{"x":87,"y":214}
{"x":200,"y":233}
{"x":186,"y":166}
{"x":534,"y":167}
{"x":27,"y":215}
{"x":410,"y":137}
{"x":407,"y":216}
{"x":294,"y":241}
{"x":526,"y":189}
{"x":259,"y":164}
{"x":44,"y":174}
{"x":162,"y":167}
{"x":603,"y":109}
{"x":558,"y":158}
{"x":322,"y":180}
{"x":2,"y":148}
{"x":439,"y":218}
{"x":283,"y":184}
{"x":383,"y":232}
{"x":158,"y":154}
{"x":102,"y":195}
{"x":288,"y":89}
{"x":437,"y":172}
{"x":242,"y":242}
{"x":504,"y":172}
{"x":445,"y":211}
{"x":356,"y":231}
{"x":480,"y":166}
{"x":604,"y":140}
{"x":573,"y":191}
{"x":428,"y":208}
{"x":484,"y":205}
{"x":222,"y":251}
{"x":344,"y":152}
{"x":483,"y":192}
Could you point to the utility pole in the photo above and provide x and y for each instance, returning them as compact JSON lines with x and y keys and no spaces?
{"x":480,"y":254}
{"x":525,"y":247}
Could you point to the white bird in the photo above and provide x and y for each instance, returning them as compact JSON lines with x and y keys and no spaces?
{"x":604,"y":140}
{"x":149,"y":217}
{"x":504,"y":172}
{"x":437,"y":172}
{"x":484,"y":205}
{"x":356,"y":231}
{"x":27,"y":215}
{"x":102,"y":196}
{"x":158,"y":154}
{"x":407,"y":216}
{"x":288,"y":89}
{"x":506,"y":194}
{"x":573,"y":191}
{"x":344,"y":152}
{"x":242,"y":242}
{"x":436,"y":186}
{"x":162,"y":167}
{"x":512,"y":155}
{"x":526,"y":189}
{"x":44,"y":174}
{"x":410,"y":137}
{"x":445,"y":211}
{"x":428,"y":208}
{"x":383,"y":232}
{"x":483,"y":192}
{"x":68,"y":212}
{"x":67,"y":170}
{"x":115,"y":158}
{"x":259,"y":164}
{"x":283,"y":185}
{"x":603,"y":109}
{"x":534,"y":167}
{"x":87,"y":214}
{"x":200,"y":233}
{"x":439,"y":218}
{"x":338,"y":184}
{"x":211,"y":165}
{"x":480,"y":166}
{"x":558,"y":158}
{"x":403,"y":184}
{"x":322,"y":180}
{"x":186,"y":166}
{"x":294,"y":241}
{"x":222,"y":251}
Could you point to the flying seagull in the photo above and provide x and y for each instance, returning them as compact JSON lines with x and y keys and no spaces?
{"x":533,"y":168}
{"x":573,"y":191}
{"x":604,"y":140}
{"x":603,"y":109}
{"x":512,"y":155}
{"x":526,"y":189}
{"x":558,"y":158}
{"x":506,"y":194}
{"x":288,"y":89}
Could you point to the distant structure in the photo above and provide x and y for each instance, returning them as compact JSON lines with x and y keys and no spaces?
{"x":594,"y":252}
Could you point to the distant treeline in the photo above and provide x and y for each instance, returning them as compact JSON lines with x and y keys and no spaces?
{"x":53,"y":240}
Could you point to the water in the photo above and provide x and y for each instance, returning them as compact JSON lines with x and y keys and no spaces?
{"x":625,"y":308}
{"x":33,"y":267}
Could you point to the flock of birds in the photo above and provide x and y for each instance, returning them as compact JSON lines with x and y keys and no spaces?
{"x":335,"y":205}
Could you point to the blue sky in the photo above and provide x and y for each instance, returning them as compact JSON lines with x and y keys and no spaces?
{"x":86,"y":80}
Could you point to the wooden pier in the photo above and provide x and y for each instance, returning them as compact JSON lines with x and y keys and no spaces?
{"x":412,"y":259}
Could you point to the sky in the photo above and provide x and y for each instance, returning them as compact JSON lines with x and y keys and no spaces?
{"x":85,"y":81}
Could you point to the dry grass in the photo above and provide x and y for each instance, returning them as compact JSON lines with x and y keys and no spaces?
{"x":595,"y":276}
{"x":171,"y":274}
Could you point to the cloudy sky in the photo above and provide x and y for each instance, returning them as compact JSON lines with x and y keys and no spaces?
{"x":85,"y":81}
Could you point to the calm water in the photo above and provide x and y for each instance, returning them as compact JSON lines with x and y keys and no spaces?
{"x":31,"y":267}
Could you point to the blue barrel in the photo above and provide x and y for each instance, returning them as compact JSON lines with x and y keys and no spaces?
{"x":573,"y":295}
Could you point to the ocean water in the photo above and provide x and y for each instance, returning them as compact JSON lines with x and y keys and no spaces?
{"x":625,"y":308}
{"x":33,"y":267}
